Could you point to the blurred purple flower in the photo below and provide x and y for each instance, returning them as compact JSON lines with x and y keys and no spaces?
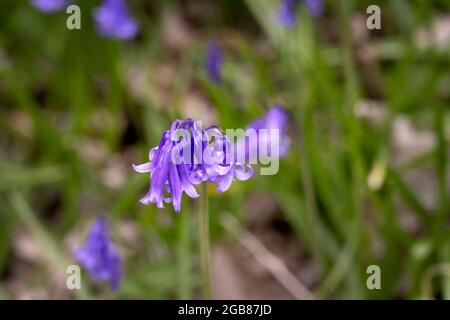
{"x":49,"y":5}
{"x":213,"y":62}
{"x":286,"y":13}
{"x":99,"y":255}
{"x":315,"y":7}
{"x":276,"y":118}
{"x":185,"y":158}
{"x":113,"y":20}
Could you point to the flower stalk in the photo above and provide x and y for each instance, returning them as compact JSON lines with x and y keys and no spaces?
{"x":204,"y":243}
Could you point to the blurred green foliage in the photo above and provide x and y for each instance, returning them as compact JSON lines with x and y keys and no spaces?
{"x":66,"y":94}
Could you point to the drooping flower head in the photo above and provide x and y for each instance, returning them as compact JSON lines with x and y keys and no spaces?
{"x":213,"y":62}
{"x":50,"y":5}
{"x":287,"y":11}
{"x":188,"y":155}
{"x":99,"y":256}
{"x":114,"y":20}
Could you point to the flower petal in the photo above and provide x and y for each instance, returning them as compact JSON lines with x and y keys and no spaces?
{"x":175,"y":187}
{"x":241,"y":174}
{"x":143,"y":168}
{"x":224,"y":182}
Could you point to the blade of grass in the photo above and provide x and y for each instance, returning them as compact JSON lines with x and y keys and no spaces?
{"x":57,"y":263}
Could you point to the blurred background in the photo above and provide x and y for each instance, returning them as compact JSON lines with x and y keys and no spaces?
{"x":365,"y":181}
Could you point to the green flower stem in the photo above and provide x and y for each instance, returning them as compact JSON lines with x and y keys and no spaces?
{"x":204,"y":243}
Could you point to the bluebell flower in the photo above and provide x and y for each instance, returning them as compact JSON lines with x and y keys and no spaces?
{"x":99,"y":255}
{"x":185,"y":158}
{"x":226,"y":165}
{"x":276,"y":118}
{"x":50,"y":5}
{"x":168,"y":176}
{"x":287,"y":11}
{"x":213,"y":62}
{"x":315,"y":7}
{"x":114,"y":20}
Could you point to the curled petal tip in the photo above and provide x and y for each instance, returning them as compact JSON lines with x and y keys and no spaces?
{"x":144,"y":201}
{"x":242,"y":174}
{"x":142,"y":168}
